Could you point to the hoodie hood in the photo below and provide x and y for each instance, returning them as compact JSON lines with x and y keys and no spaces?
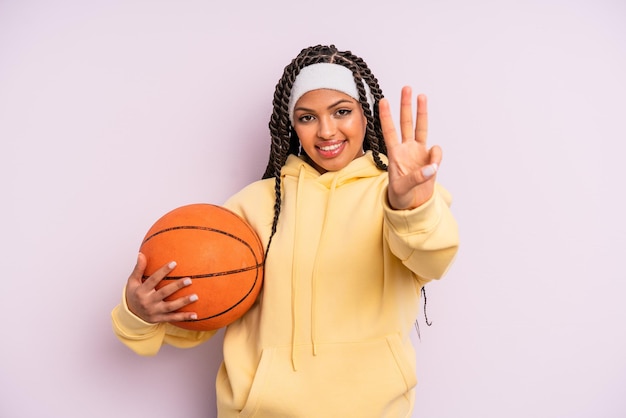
{"x":359,"y":168}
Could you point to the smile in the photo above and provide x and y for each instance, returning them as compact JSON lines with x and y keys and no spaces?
{"x":331,"y":147}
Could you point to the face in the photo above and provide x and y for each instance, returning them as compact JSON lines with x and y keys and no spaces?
{"x":331,"y":127}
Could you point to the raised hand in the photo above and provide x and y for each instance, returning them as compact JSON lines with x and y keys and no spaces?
{"x":412,"y":165}
{"x":148,"y":303}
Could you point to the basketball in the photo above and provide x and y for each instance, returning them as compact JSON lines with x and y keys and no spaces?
{"x":218,"y":250}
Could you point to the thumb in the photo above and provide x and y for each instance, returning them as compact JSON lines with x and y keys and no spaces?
{"x":137,"y":274}
{"x":430,"y":170}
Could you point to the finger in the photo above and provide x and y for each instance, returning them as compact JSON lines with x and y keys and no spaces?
{"x":436,"y":155}
{"x":386,"y":124}
{"x":406,"y":115}
{"x":179,"y":317}
{"x":432,"y":168}
{"x":156,"y":277}
{"x":172,"y":287}
{"x":421,"y":127}
{"x":137,"y":273}
{"x":152,"y":307}
{"x":170,"y":308}
{"x":176,"y":304}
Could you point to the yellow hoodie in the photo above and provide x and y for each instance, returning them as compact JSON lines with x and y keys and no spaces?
{"x":329,"y":335}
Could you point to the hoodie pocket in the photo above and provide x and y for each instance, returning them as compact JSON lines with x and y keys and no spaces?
{"x":366,"y":379}
{"x":258,"y":384}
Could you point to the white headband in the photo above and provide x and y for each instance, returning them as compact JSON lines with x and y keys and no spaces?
{"x":326,"y":75}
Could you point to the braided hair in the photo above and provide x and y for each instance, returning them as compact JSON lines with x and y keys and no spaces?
{"x":285,"y":141}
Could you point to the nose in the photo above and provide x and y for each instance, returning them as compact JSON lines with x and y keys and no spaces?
{"x":327,"y":128}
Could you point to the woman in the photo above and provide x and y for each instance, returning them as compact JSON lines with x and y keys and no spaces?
{"x":354,"y":225}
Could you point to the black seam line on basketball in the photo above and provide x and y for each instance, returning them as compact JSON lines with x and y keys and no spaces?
{"x":256,"y":279}
{"x":205,"y":276}
{"x":202,"y":228}
{"x":206,"y":228}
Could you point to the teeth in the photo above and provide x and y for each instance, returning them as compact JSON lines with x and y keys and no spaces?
{"x":331,"y":147}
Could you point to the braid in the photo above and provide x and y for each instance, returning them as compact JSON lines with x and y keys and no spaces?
{"x":284,"y":140}
{"x":373,"y":135}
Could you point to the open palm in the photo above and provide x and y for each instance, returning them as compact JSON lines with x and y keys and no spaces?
{"x":412,"y":165}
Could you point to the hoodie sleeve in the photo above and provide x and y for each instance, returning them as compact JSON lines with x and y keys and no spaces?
{"x":426,"y":238}
{"x":145,"y":338}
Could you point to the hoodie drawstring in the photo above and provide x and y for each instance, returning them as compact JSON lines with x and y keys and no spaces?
{"x":294,"y":272}
{"x":333,"y":187}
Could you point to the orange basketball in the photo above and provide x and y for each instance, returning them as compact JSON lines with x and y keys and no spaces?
{"x":221,"y":254}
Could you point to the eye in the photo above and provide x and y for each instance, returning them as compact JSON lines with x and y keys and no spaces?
{"x":305,"y":118}
{"x":343,"y":112}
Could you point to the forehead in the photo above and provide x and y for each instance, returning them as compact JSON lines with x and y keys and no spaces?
{"x":323,"y":98}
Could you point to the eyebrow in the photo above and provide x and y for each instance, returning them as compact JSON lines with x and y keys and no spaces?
{"x":338,"y":102}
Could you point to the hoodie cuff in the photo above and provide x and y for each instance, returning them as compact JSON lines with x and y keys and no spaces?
{"x":418,"y":220}
{"x":129,"y":323}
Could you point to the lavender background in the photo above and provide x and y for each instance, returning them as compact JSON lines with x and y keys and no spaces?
{"x":114,"y":112}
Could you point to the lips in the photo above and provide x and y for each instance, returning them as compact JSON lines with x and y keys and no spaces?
{"x":332,"y":149}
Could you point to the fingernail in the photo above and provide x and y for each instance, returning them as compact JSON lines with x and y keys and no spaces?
{"x":172,"y":264}
{"x":194,"y":316}
{"x":429,"y":170}
{"x":193,"y":298}
{"x":187,"y":281}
